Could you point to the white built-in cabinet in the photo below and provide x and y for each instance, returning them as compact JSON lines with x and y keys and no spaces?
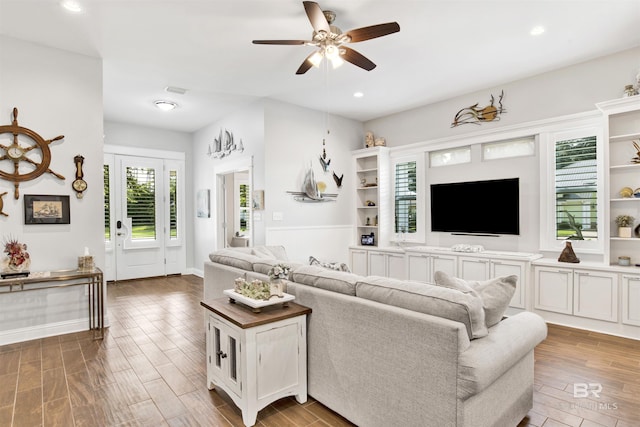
{"x":631,"y":299}
{"x":387,"y":263}
{"x":474,"y":268}
{"x":419,"y":264}
{"x":586,"y":293}
{"x":358,"y":260}
{"x":422,"y":265}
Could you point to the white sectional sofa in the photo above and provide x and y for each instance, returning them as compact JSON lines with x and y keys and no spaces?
{"x":384,"y":352}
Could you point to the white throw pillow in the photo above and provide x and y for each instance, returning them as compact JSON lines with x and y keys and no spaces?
{"x":495,"y":293}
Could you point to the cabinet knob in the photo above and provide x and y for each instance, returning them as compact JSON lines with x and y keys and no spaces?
{"x":221,"y":354}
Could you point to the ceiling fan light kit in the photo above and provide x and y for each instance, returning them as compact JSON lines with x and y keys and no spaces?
{"x":330,"y":40}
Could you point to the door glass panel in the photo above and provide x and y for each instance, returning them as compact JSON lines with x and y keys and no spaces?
{"x":141,"y":202}
{"x":173,"y":204}
{"x":232,"y":359}
{"x":107,"y":204}
{"x":244,"y":208}
{"x":216,"y":341}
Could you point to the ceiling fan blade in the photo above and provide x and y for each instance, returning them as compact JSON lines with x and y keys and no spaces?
{"x":315,"y":15}
{"x":367,"y":33}
{"x":284,"y":42}
{"x":356,"y":58}
{"x":306,"y":65}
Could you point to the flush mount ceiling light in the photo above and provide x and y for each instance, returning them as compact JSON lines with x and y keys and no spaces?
{"x":331,"y":41}
{"x":358,"y":94}
{"x":165,"y":105}
{"x":71,"y":6}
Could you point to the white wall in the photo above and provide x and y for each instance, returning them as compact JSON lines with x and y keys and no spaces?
{"x":565,"y":91}
{"x":293,"y":143}
{"x":56,"y":93}
{"x":248,"y":125}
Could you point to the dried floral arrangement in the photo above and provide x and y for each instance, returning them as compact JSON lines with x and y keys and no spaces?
{"x":18,"y":257}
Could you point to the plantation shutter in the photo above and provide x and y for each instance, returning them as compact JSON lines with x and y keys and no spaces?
{"x":173,"y":204}
{"x":107,"y":204}
{"x":141,"y":202}
{"x":405,"y":197}
{"x":576,"y":189}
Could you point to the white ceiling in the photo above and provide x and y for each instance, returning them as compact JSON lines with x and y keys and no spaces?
{"x":443,"y":49}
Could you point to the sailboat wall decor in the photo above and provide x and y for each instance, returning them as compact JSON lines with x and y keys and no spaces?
{"x":311,"y":193}
{"x":224,"y":145}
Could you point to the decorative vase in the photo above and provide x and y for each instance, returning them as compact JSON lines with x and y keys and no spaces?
{"x":9,"y":267}
{"x":624,"y":232}
{"x":276,"y":287}
{"x":567,"y":254}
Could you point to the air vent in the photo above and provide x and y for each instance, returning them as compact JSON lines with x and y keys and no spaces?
{"x":174,"y":89}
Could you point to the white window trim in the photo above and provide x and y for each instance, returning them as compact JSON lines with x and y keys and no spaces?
{"x":548,"y":241}
{"x":420,"y":234}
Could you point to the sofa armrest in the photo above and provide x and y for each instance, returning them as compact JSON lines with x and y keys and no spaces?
{"x":489,"y":357}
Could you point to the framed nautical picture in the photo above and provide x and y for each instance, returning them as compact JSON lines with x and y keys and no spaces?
{"x":257,"y":200}
{"x":46,"y":209}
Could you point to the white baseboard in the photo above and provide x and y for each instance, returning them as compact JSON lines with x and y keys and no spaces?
{"x":44,"y":331}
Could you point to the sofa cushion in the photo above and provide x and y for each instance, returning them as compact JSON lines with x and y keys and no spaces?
{"x":235,"y":258}
{"x":263,"y":265}
{"x":331,"y":280}
{"x":277,"y":252}
{"x":338,"y":266}
{"x":429,"y":299}
{"x":495,"y":293}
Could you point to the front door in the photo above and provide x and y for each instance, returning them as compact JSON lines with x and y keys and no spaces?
{"x":146,"y":218}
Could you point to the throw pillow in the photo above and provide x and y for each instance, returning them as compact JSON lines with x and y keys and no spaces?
{"x":495,"y":293}
{"x":338,"y":266}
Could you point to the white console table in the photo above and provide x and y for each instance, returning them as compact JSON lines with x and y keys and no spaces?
{"x":256,"y":358}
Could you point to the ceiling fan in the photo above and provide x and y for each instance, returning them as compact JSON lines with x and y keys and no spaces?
{"x":330,"y":40}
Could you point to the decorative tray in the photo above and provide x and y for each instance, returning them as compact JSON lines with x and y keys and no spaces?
{"x":257,"y":304}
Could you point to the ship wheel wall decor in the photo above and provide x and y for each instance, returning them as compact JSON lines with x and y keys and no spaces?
{"x":20,"y":162}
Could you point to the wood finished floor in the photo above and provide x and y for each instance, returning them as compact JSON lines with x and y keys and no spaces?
{"x":150,"y":371}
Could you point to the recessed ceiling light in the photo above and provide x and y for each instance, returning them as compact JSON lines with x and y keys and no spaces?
{"x":537,"y":30}
{"x":72,"y":6}
{"x":358,"y":94}
{"x":165,"y":105}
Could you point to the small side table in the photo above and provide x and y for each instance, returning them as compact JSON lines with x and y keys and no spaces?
{"x":256,"y":358}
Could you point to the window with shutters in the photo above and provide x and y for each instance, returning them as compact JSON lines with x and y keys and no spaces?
{"x":141,"y":202}
{"x":576,"y":189}
{"x":572,"y":190}
{"x":408,"y":197}
{"x":405,"y":197}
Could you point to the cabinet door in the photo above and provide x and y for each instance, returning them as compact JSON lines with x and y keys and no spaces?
{"x":631,"y":300}
{"x":277,"y":359}
{"x":444,"y":263}
{"x":596,"y":295}
{"x":396,"y":267}
{"x":359,"y":262}
{"x":508,"y":268}
{"x":377,"y":264}
{"x":554,"y":290}
{"x":418,"y":267}
{"x":225,"y":354}
{"x":473,"y":268}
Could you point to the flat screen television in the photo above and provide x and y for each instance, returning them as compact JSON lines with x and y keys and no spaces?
{"x":476,"y":207}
